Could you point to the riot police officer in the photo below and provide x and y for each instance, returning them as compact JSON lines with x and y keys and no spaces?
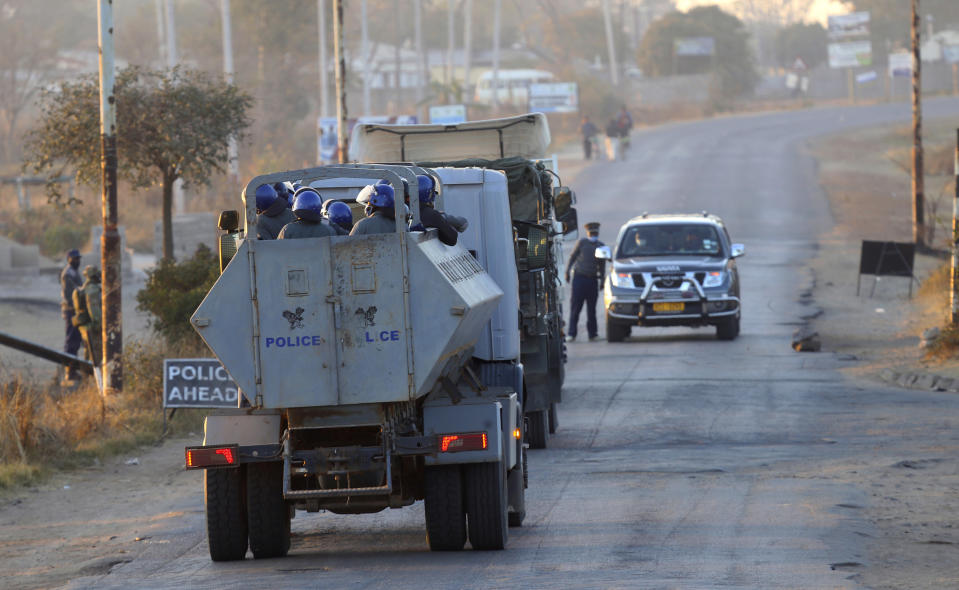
{"x":587,"y":273}
{"x":309,"y":223}
{"x":380,"y":216}
{"x":88,"y":318}
{"x":271,"y":213}
{"x":69,"y":281}
{"x":340,"y":216}
{"x":429,"y":216}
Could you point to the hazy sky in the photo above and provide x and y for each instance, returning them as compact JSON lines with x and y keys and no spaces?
{"x":820,"y":10}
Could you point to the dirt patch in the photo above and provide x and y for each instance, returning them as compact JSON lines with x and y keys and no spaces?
{"x":913,"y":505}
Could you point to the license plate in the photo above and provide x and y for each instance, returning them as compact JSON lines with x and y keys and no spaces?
{"x":661,"y":307}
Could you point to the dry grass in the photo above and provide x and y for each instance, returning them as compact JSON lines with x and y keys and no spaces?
{"x":44,"y":427}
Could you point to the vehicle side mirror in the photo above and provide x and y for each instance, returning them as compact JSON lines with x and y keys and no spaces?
{"x":229,"y":220}
{"x":603,"y":253}
{"x":563,"y":199}
{"x":737,"y":250}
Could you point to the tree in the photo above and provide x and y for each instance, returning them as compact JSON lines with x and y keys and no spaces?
{"x":778,"y":12}
{"x":806,"y":41}
{"x":890,"y":20}
{"x":171,"y":124}
{"x":733,"y":64}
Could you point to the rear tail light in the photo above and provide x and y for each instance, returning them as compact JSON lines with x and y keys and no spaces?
{"x":212,"y":456}
{"x":454,"y":443}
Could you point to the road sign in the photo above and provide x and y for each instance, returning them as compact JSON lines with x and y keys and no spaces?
{"x":799,"y":65}
{"x":850,"y":54}
{"x":554,"y":97}
{"x":690,"y":46}
{"x":448,"y":114}
{"x":950,"y":53}
{"x":900,"y":65}
{"x":849,"y":26}
{"x":198,"y":383}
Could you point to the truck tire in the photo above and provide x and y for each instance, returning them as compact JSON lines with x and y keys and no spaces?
{"x":268,"y":515}
{"x":445,"y":512}
{"x":538,"y":431}
{"x":553,"y":418}
{"x":616,"y":332}
{"x":727,"y":329}
{"x":486,"y":505}
{"x":225,"y":501}
{"x":517,"y":481}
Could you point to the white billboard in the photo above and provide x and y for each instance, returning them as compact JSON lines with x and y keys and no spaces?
{"x":900,"y":65}
{"x":850,"y":54}
{"x":448,"y":114}
{"x":554,"y":97}
{"x":849,"y":26}
{"x":703,"y":46}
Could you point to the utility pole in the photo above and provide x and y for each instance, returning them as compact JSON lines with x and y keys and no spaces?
{"x":324,"y":91}
{"x":467,"y":46}
{"x":365,"y":56}
{"x":954,"y":277}
{"x":111,"y":302}
{"x":610,"y":44}
{"x":497,"y":10}
{"x":918,"y":182}
{"x":421,"y":78}
{"x":234,"y":162}
{"x":451,"y":42}
{"x":179,"y":200}
{"x":341,"y":129}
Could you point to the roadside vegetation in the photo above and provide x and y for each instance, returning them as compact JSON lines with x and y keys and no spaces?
{"x":45,"y":427}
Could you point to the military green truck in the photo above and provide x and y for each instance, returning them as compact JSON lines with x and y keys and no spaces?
{"x":542,"y":215}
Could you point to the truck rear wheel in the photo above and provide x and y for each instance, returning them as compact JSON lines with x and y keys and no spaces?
{"x":225,"y":501}
{"x":445,"y":513}
{"x":486,"y":505}
{"x":538,"y":430}
{"x":268,"y":515}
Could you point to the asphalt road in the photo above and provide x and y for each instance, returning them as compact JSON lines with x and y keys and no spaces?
{"x":681,"y":461}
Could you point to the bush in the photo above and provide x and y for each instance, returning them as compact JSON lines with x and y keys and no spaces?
{"x":54,"y":229}
{"x":172,"y":293}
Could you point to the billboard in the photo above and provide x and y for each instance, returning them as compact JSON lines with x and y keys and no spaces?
{"x":850,"y":54}
{"x":950,"y":53}
{"x":691,"y":46}
{"x":554,"y":97}
{"x":448,"y":114}
{"x":900,"y":65}
{"x":849,"y":26}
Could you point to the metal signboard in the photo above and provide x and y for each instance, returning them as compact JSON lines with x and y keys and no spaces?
{"x":702,"y":46}
{"x":900,"y":65}
{"x":198,"y":383}
{"x":448,"y":114}
{"x":950,"y":53}
{"x":558,"y":97}
{"x":849,"y":26}
{"x":850,"y":54}
{"x":866,"y":77}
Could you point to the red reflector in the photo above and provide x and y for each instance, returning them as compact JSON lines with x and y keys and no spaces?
{"x":451,"y":443}
{"x":198,"y":457}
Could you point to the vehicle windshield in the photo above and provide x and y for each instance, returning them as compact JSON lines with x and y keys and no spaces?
{"x":673,"y":239}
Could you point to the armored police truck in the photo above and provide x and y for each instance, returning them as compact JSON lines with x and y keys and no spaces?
{"x":371,"y":371}
{"x":541,"y":215}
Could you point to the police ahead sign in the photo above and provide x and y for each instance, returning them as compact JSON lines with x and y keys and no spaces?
{"x":197,"y":383}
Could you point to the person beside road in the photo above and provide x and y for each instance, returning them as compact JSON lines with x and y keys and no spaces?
{"x":271,"y":213}
{"x":589,"y":131}
{"x":70,"y":280}
{"x":625,"y":123}
{"x":88,"y":318}
{"x":587,"y":272}
{"x":380,"y":216}
{"x":307,"y":207}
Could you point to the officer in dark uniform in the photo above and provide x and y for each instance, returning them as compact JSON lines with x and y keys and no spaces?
{"x":272,"y":213}
{"x":587,"y":273}
{"x":307,"y":207}
{"x":70,"y":280}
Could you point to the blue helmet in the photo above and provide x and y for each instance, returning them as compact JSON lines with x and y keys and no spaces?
{"x":74,"y":253}
{"x":339,"y":213}
{"x":265,"y":196}
{"x":406,"y":187}
{"x":308,"y":204}
{"x":382,"y":196}
{"x":427,"y":188}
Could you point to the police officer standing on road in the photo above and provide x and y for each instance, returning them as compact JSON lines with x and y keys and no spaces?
{"x":307,"y":207}
{"x":587,"y":271}
{"x":69,"y":281}
{"x":271,"y":213}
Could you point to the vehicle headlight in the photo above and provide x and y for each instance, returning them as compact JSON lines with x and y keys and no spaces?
{"x":714,"y":278}
{"x":621,"y":279}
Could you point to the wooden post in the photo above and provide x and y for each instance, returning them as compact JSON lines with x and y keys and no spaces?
{"x":111,"y":302}
{"x":341,"y":127}
{"x":918,"y":182}
{"x":954,"y":280}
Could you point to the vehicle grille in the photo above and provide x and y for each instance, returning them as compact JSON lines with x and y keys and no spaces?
{"x":638,"y":281}
{"x":668,"y":281}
